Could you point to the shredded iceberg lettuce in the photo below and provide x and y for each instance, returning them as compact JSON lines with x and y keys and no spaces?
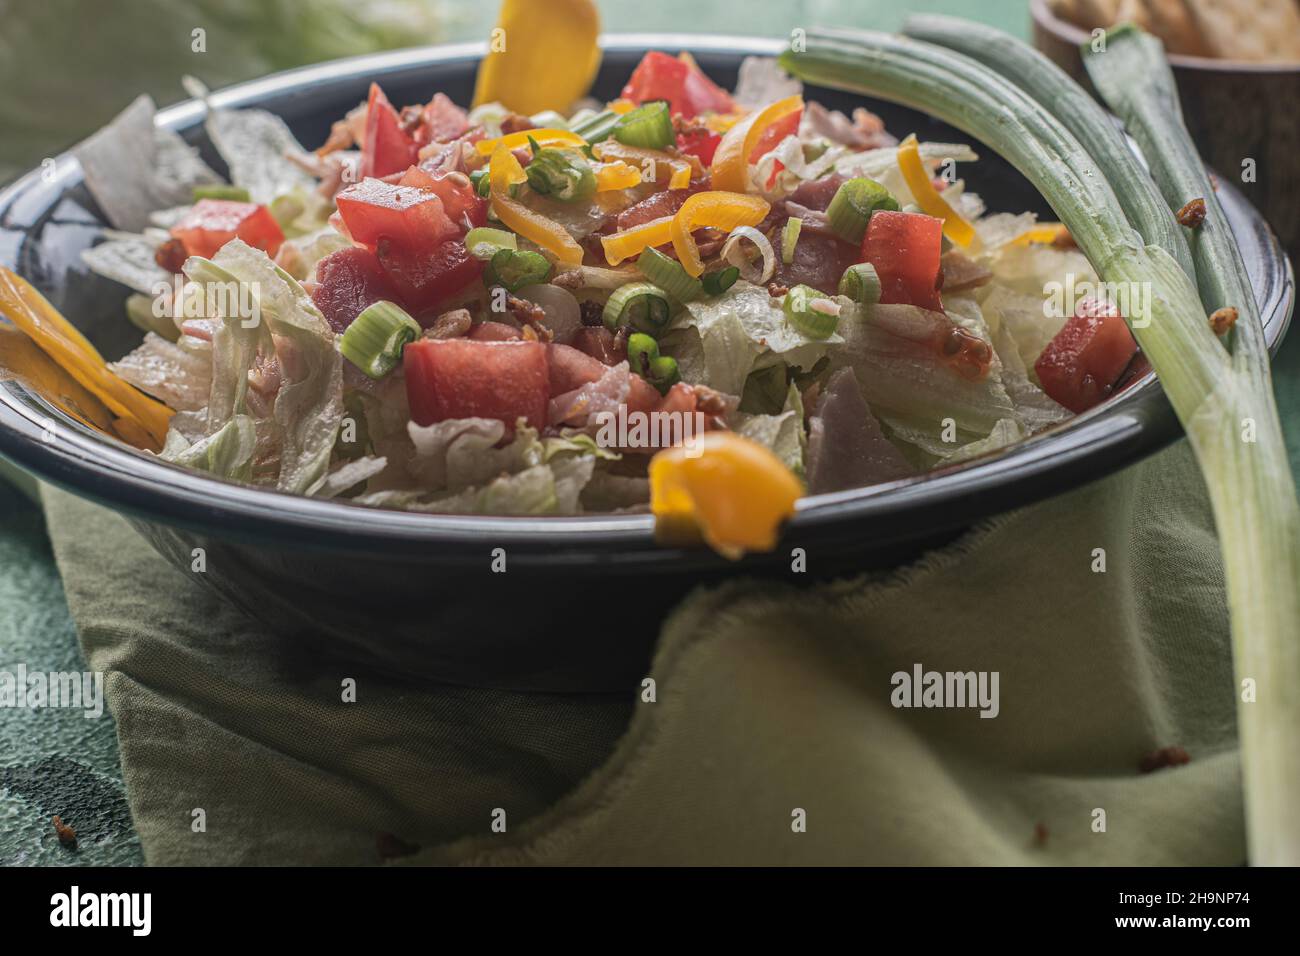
{"x":737,"y":328}
{"x":783,"y":433}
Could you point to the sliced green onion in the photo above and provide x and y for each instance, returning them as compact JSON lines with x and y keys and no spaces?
{"x":484,"y":242}
{"x":514,"y":269}
{"x":1053,"y":88}
{"x":375,"y":339}
{"x":644,"y":358}
{"x":649,"y":126}
{"x":640,"y":306}
{"x":861,"y":283}
{"x":716,"y":283}
{"x":285,"y":209}
{"x":1212,"y":391}
{"x":479,"y":179}
{"x":669,"y":275}
{"x":854,"y":202}
{"x":598,"y":127}
{"x":790,"y":238}
{"x":811,"y":312}
{"x":221,"y":191}
{"x":562,"y":174}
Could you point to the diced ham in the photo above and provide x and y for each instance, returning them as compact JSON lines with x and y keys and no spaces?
{"x":846,"y":447}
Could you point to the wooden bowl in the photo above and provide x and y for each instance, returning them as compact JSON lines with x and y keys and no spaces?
{"x":1236,"y":111}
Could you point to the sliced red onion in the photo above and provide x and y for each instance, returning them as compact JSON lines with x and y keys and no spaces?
{"x":733,"y":254}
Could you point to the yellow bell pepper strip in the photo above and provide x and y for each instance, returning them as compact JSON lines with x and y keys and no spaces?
{"x":616,"y":175}
{"x":543,"y":137}
{"x":927,"y":197}
{"x":720,"y":210}
{"x":542,"y":56}
{"x":632,"y":242}
{"x":678,"y":167}
{"x":620,"y":106}
{"x":732,"y":491}
{"x":23,"y":361}
{"x":60,"y":340}
{"x":504,"y":172}
{"x":730,"y":169}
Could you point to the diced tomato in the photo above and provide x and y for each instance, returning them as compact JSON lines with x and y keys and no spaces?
{"x":212,"y":223}
{"x":409,"y":217}
{"x":600,"y":343}
{"x":461,"y":378}
{"x":386,"y":147}
{"x":462,"y":204}
{"x":771,"y":137}
{"x":700,"y":143}
{"x":347,"y":282}
{"x":494,"y":332}
{"x":573,"y":368}
{"x":440,"y":121}
{"x":905,"y":248}
{"x":1081,"y":365}
{"x":428,"y":278}
{"x":688,"y":91}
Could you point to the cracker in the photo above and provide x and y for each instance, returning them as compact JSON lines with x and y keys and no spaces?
{"x":1249,"y":29}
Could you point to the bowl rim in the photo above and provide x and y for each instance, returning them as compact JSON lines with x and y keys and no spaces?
{"x":1045,"y":16}
{"x":1128,"y":426}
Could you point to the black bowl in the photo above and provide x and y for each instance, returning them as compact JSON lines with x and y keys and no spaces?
{"x":582,"y":598}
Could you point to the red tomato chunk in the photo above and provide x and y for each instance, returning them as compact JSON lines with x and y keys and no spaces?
{"x":386,"y":148}
{"x":409,"y":216}
{"x":688,"y":91}
{"x":1081,"y":365}
{"x":462,"y":378}
{"x":347,"y":282}
{"x":905,"y":248}
{"x":212,"y":223}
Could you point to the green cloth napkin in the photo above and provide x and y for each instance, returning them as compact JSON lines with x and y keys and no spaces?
{"x":768,"y":701}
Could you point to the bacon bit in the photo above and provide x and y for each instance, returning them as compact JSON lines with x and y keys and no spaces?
{"x":392,"y":847}
{"x":687,"y":127}
{"x":1063,"y":240}
{"x":410,"y":118}
{"x":776,"y":290}
{"x":514,"y":123}
{"x":709,"y":401}
{"x":1221,"y":320}
{"x":1192,"y":214}
{"x":592,"y":312}
{"x":1164,"y":757}
{"x":171,"y":255}
{"x":67,"y":835}
{"x":450,"y":325}
{"x":532,"y":316}
{"x":340,"y":137}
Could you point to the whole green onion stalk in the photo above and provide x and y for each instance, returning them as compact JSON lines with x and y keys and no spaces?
{"x":1045,"y":125}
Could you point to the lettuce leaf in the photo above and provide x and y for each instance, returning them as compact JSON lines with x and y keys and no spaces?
{"x":735,"y":330}
{"x":226,"y":453}
{"x":131,"y":168}
{"x":255,"y":145}
{"x":309,"y":404}
{"x":782,"y":433}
